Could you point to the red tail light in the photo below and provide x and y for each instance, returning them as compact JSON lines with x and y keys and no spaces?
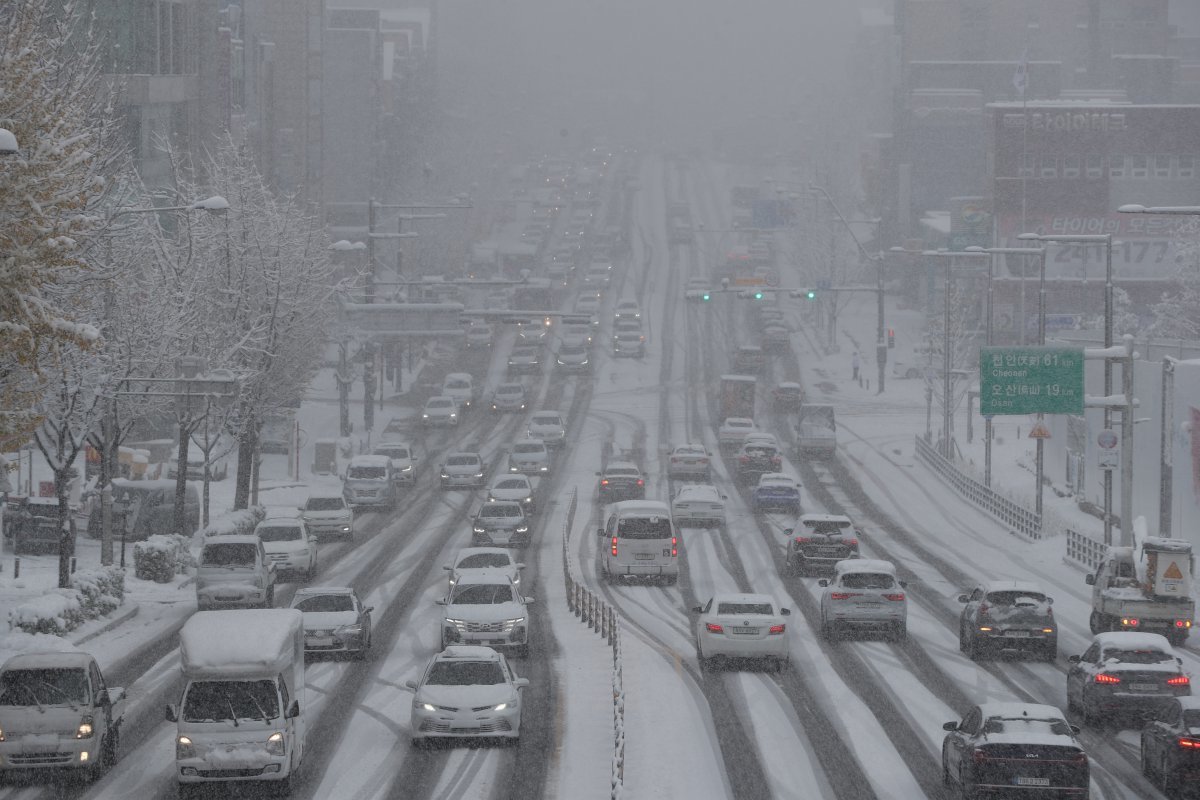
{"x":614,"y":545}
{"x":1129,"y":622}
{"x":852,"y":543}
{"x":641,"y":482}
{"x":802,"y":540}
{"x":1179,"y":680}
{"x":714,"y":627}
{"x":777,"y":629}
{"x":1188,"y":744}
{"x":776,"y":460}
{"x":604,"y":482}
{"x":896,"y":597}
{"x":1183,"y":623}
{"x":674,"y":546}
{"x":842,"y":595}
{"x":1104,"y":677}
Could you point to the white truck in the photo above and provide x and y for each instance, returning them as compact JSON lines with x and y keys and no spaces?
{"x":57,"y":712}
{"x":816,"y":430}
{"x":1145,"y":588}
{"x":241,"y":715}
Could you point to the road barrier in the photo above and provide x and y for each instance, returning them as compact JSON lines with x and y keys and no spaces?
{"x":602,"y":618}
{"x":1083,"y":549}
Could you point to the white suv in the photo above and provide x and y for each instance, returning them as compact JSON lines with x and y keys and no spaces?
{"x":328,"y":514}
{"x":864,"y":593}
{"x":486,"y":608}
{"x":289,"y":545}
{"x":549,"y":427}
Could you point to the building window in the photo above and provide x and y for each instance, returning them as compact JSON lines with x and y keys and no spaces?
{"x":1139,"y":167}
{"x":1071,"y":167}
{"x":1162,"y":166}
{"x":1116,"y":166}
{"x":1187,"y":168}
{"x":1027,"y":164}
{"x":1049,"y":167}
{"x":1095,"y":166}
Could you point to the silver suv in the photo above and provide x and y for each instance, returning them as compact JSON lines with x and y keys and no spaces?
{"x":509,"y":397}
{"x":463,"y":470}
{"x":864,"y":594}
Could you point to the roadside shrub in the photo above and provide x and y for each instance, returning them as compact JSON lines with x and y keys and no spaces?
{"x":236,"y":523}
{"x":100,"y":590}
{"x":160,"y":558}
{"x":57,"y":612}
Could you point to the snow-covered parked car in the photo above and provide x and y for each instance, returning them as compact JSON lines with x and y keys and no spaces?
{"x":698,"y":504}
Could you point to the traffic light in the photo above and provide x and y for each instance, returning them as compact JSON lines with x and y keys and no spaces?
{"x":807,"y":294}
{"x":706,"y":297}
{"x":891,"y":337}
{"x":752,"y":294}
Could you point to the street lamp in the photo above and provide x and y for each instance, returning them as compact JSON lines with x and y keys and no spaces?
{"x":987,"y":421}
{"x":8,"y":143}
{"x":1106,"y":240}
{"x":880,"y":328}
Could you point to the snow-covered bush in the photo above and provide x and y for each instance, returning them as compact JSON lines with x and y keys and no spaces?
{"x":236,"y":522}
{"x":56,"y":612}
{"x":160,"y":558}
{"x":100,"y":590}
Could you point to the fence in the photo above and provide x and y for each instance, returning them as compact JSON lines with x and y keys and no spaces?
{"x":602,"y":618}
{"x":1081,"y":548}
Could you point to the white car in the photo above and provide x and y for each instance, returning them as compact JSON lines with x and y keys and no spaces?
{"x":733,"y":430}
{"x":698,"y":504}
{"x":461,"y":387}
{"x":750,"y":626}
{"x":548,"y":426}
{"x":486,"y":608}
{"x":463,"y":470}
{"x":509,"y":397}
{"x":627,"y":309}
{"x":517,"y":488}
{"x":479,"y":335}
{"x":575,"y":333}
{"x":289,"y":545}
{"x":440,"y":410}
{"x":328,"y":514}
{"x":689,"y":461}
{"x":864,"y":593}
{"x":573,"y":358}
{"x":335,"y":620}
{"x":404,"y":460}
{"x":474,"y":560}
{"x":529,"y":457}
{"x":466,"y":693}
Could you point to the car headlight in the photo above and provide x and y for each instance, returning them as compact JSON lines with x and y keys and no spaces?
{"x":276,"y":745}
{"x":522,"y":528}
{"x":500,"y":707}
{"x":453,"y":415}
{"x":346,"y":529}
{"x":424,"y":416}
{"x":184,"y":748}
{"x":85,"y":729}
{"x":478,"y":474}
{"x":445,"y":475}
{"x":423,"y":706}
{"x":350,"y":630}
{"x":479,"y":529}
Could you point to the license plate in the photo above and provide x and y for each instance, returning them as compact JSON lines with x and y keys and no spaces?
{"x":748,"y":631}
{"x":1144,"y":687}
{"x":644,"y":556}
{"x":1017,"y":634}
{"x":866,"y":605}
{"x":830,"y":551}
{"x":1023,"y":781}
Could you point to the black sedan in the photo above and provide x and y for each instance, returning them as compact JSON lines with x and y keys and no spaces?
{"x":1171,"y":746}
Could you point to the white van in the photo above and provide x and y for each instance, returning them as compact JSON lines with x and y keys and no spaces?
{"x":639,"y":540}
{"x":241,"y":715}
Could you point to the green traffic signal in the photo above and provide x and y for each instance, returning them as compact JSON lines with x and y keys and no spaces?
{"x":758,"y":295}
{"x":810,"y":295}
{"x":706,"y":297}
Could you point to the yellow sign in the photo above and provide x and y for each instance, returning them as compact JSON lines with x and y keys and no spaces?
{"x":1173,"y":572}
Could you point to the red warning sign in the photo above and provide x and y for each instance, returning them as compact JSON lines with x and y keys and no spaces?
{"x":1039,"y":431}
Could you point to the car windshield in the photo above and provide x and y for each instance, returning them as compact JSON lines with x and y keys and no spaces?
{"x":439,"y":404}
{"x":513,"y":484}
{"x":324,"y":504}
{"x":644,"y":528}
{"x":689,"y":451}
{"x":868,"y":580}
{"x":43,"y":687}
{"x":760,"y":451}
{"x":462,"y":461}
{"x":529,"y":448}
{"x":546,"y":419}
{"x":1027,"y":725}
{"x":459,"y":384}
{"x":513,"y":390}
{"x":484,"y":561}
{"x":744,"y":608}
{"x":217,"y":701}
{"x":1137,"y":656}
{"x":465,"y":673}
{"x":618,"y":472}
{"x":279,"y":533}
{"x":1011,"y":598}
{"x":482,"y":594}
{"x":325,"y":602}
{"x":500,"y":511}
{"x":392,"y":452}
{"x":370,"y":473}
{"x":229,"y":554}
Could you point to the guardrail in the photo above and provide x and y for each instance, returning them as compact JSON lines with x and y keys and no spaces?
{"x":602,"y":618}
{"x":1017,"y":517}
{"x":1084,"y":550}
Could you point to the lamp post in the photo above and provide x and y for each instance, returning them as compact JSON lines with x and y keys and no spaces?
{"x":1106,"y":240}
{"x":947,"y":363}
{"x":988,"y":340}
{"x":877,"y":258}
{"x":109,"y":424}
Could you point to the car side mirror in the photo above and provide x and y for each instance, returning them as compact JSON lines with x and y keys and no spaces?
{"x":411,"y":684}
{"x":293,"y":710}
{"x":697,"y":609}
{"x":521,"y":683}
{"x":823,"y":582}
{"x":963,"y":598}
{"x":368,"y":609}
{"x":788,"y":531}
{"x":1073,"y":659}
{"x":950,"y":726}
{"x":519,"y":565}
{"x":903,"y":584}
{"x":599,"y":531}
{"x":787,"y":612}
{"x":530,"y":600}
{"x":1090,"y":580}
{"x":447,"y":567}
{"x":172,"y":713}
{"x":1074,"y":730}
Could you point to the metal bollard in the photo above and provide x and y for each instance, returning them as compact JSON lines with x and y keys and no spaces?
{"x":16,"y":568}
{"x":72,"y":565}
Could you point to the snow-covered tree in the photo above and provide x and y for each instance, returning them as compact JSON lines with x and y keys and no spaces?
{"x":1177,"y":314}
{"x":53,"y":100}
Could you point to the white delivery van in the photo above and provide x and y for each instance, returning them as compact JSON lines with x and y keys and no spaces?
{"x":242,"y":713}
{"x":638,"y":540}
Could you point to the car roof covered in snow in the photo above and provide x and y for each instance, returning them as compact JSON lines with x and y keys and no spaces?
{"x":309,"y":591}
{"x":469,"y":652}
{"x":370,"y":461}
{"x":1131,"y":640}
{"x":744,"y":598}
{"x":57,"y":659}
{"x":1012,"y":586}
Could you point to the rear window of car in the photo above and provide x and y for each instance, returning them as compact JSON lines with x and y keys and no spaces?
{"x":1027,"y":725}
{"x":621,"y":473}
{"x":827,"y":526}
{"x":868,"y":580}
{"x":1010,"y":598}
{"x":744,"y":608}
{"x":1137,"y":656}
{"x":645,"y":528}
{"x":737,"y":423}
{"x":458,"y":384}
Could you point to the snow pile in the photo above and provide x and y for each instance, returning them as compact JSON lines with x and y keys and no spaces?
{"x":93,"y":594}
{"x":17,"y":642}
{"x":236,"y":522}
{"x":160,"y":558}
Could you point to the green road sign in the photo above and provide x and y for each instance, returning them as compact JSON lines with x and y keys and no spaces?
{"x":1030,"y":380}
